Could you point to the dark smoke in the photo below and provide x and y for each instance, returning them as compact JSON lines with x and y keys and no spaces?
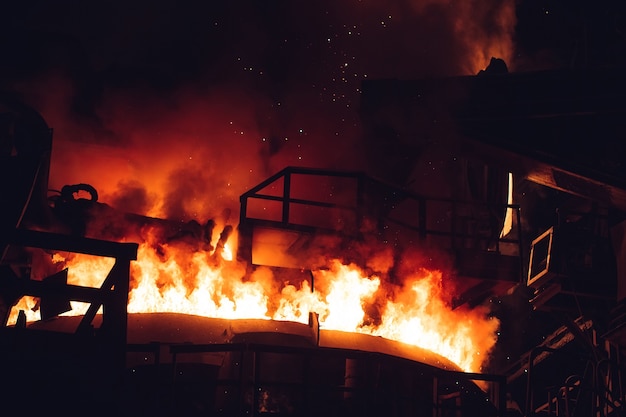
{"x":144,"y":79}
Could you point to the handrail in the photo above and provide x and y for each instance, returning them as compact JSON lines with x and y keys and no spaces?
{"x":113,"y":294}
{"x":358,"y":209}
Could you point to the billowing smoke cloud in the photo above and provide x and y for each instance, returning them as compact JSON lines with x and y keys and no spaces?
{"x":186,"y":107}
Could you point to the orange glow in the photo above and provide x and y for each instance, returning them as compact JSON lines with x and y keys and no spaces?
{"x":227,"y":253}
{"x":418,"y":316}
{"x":484,"y":43}
{"x":83,"y":270}
{"x":172,"y":278}
{"x":189,"y":154}
{"x":198,"y":284}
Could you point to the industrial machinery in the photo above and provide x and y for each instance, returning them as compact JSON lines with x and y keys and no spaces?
{"x":559,"y":135}
{"x":41,"y":368}
{"x":528,"y":227}
{"x":107,"y":361}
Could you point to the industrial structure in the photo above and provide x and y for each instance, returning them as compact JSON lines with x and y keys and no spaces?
{"x":527,"y":201}
{"x":558,"y":134}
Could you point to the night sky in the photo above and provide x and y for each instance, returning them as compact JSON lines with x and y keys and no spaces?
{"x":219,"y":95}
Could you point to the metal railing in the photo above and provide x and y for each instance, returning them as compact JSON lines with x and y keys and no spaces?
{"x":308,"y":200}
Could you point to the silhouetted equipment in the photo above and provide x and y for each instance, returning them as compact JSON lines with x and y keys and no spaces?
{"x":50,"y":371}
{"x":470,"y":132}
{"x":559,"y":130}
{"x":562,"y":129}
{"x":52,"y":305}
{"x":63,"y":362}
{"x":299,"y":215}
{"x":25,"y":147}
{"x":105,"y":362}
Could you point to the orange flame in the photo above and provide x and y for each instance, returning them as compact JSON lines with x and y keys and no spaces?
{"x":418,"y":316}
{"x":175,"y":279}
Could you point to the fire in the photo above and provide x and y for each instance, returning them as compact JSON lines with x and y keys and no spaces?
{"x":227,"y":253}
{"x":347,"y":293}
{"x":173,"y":278}
{"x":418,"y":316}
{"x":83,"y":270}
{"x":486,"y":41}
{"x":198,"y":284}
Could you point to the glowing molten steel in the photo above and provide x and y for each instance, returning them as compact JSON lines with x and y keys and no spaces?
{"x":172,"y":278}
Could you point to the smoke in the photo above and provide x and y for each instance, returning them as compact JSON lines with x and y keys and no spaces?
{"x":198,"y":103}
{"x":174,"y":111}
{"x":132,"y":196}
{"x":417,"y":39}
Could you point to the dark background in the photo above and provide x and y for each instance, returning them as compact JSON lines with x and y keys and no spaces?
{"x":246,"y":88}
{"x":295,"y":67}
